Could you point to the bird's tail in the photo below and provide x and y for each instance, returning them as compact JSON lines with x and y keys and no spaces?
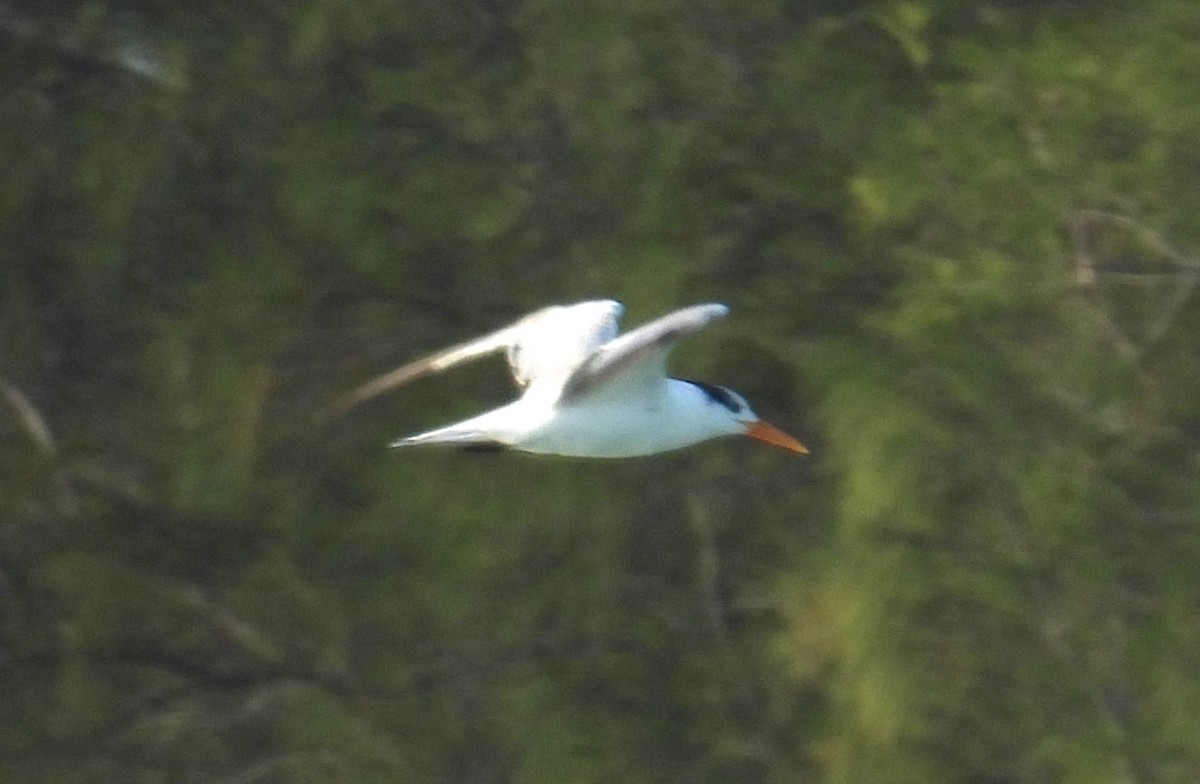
{"x":453,"y":436}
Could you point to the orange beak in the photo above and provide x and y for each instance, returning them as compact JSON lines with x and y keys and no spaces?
{"x":773,"y":435}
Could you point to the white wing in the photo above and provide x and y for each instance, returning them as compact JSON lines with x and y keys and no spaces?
{"x":638,"y":359}
{"x":547,"y":345}
{"x":552,"y":343}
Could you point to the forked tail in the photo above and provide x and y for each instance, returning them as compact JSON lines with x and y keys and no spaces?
{"x":471,"y":440}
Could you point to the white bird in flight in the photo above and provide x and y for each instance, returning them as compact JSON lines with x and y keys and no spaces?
{"x":586,"y":391}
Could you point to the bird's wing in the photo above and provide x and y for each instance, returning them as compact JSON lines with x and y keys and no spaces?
{"x":552,"y":341}
{"x":637,"y":360}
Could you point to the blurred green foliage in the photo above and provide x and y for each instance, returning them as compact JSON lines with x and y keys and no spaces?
{"x":960,"y":244}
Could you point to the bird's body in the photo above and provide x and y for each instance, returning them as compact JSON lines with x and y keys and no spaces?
{"x":588,"y":392}
{"x":671,"y":419}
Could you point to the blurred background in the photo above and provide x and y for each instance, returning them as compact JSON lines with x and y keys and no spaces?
{"x":961,"y":247}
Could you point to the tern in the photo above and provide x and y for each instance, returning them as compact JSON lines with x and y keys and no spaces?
{"x":587,"y":392}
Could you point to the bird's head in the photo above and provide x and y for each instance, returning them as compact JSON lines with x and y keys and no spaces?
{"x":738,"y":418}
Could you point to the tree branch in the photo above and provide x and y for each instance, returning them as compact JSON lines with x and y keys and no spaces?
{"x":131,"y":60}
{"x":1087,"y":272}
{"x":32,"y":420}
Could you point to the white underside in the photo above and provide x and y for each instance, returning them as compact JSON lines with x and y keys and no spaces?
{"x":612,"y":431}
{"x":673,"y":416}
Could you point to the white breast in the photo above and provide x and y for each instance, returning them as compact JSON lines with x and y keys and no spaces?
{"x":678,"y":416}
